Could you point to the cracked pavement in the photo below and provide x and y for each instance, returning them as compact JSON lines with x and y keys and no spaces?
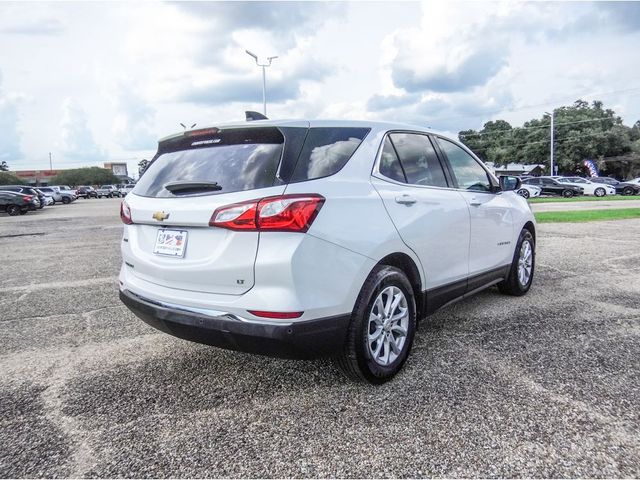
{"x":547,"y":385}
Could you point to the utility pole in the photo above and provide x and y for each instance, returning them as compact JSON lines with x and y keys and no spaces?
{"x":264,"y":77}
{"x":551,"y":150}
{"x":50,"y":164}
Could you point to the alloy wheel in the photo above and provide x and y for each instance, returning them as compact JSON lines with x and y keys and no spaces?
{"x":388,"y":326}
{"x":525,"y":263}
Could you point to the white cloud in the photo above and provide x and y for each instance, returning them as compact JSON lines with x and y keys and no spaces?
{"x":10,"y":148}
{"x":76,"y":139}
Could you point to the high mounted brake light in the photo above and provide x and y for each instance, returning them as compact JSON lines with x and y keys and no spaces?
{"x":201,"y":132}
{"x":284,"y":213}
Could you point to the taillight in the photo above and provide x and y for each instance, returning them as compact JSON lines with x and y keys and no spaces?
{"x":28,"y":198}
{"x":284,"y":213}
{"x":125,"y":214}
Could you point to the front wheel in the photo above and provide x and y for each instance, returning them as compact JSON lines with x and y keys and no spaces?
{"x":567,"y":193}
{"x":627,"y":191}
{"x":523,"y":192}
{"x":66,"y":200}
{"x":383,"y":324}
{"x":600,"y":192}
{"x":520,"y":275}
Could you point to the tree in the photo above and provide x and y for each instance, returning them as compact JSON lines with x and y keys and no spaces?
{"x":581,"y":131}
{"x":7,"y":178}
{"x":85,"y":176}
{"x":4,"y":167}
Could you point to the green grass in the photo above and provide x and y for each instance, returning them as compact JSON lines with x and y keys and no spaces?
{"x":608,"y":198}
{"x":588,"y":215}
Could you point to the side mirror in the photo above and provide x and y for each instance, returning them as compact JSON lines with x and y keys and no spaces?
{"x":510,"y":183}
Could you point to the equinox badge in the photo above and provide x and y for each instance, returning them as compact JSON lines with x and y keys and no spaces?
{"x":160,"y":216}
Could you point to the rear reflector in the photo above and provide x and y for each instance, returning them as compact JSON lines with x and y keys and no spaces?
{"x":284,"y":213}
{"x":280,"y":315}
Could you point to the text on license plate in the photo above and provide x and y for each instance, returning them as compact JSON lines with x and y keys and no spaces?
{"x":170,"y":242}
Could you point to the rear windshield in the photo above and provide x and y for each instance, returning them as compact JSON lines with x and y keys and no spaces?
{"x":249,"y":158}
{"x":237,"y":160}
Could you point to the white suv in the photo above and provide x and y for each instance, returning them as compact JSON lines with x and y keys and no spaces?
{"x":301,"y":239}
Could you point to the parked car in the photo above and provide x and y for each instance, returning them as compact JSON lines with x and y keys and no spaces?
{"x":319,"y":238}
{"x":26,"y":190}
{"x":15,"y":203}
{"x":635,"y":181}
{"x":52,"y":192}
{"x":622,"y":188}
{"x":589,"y":187}
{"x":550,"y":186}
{"x":109,"y":191}
{"x":529,"y":191}
{"x":125,"y":189}
{"x":48,"y":198}
{"x":86,"y":192}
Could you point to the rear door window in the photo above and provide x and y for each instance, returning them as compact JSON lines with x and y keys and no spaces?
{"x":418,"y":159}
{"x":326,"y":150}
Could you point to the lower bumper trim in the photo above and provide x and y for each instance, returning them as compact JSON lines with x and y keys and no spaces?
{"x":299,"y":340}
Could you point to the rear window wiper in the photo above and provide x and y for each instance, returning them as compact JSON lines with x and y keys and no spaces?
{"x":192,"y":187}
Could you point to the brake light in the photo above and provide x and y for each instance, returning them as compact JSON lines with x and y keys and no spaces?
{"x":278,"y":315}
{"x":28,"y":198}
{"x":125,"y":214}
{"x":284,"y":213}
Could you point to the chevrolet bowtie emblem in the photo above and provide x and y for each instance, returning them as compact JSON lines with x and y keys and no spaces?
{"x":160,"y":216}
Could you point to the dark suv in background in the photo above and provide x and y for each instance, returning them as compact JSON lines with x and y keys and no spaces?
{"x":86,"y":192}
{"x":15,"y":203}
{"x":25,"y":190}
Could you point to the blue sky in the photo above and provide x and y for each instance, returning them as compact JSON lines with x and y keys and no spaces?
{"x":94,"y":82}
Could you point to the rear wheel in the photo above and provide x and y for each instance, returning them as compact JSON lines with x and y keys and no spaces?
{"x":382,"y":327}
{"x":567,"y":193}
{"x":520,"y":275}
{"x":627,"y":191}
{"x":13,"y":210}
{"x":600,"y":192}
{"x":66,"y":200}
{"x":523,"y":192}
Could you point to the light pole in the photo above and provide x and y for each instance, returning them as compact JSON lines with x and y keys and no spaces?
{"x":551,"y":162}
{"x":264,"y":78}
{"x":50,"y":163}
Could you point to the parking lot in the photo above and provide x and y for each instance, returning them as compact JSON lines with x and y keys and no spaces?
{"x":547,"y":385}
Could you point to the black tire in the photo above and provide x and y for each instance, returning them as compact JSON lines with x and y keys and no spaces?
{"x":567,"y":193}
{"x":356,"y":360}
{"x":600,"y":192}
{"x":23,"y":212}
{"x":512,"y":285}
{"x":627,"y":191}
{"x":13,"y":210}
{"x":66,"y":200}
{"x":523,"y":192}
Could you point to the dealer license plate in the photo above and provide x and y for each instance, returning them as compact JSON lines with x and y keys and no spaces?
{"x":171,"y":243}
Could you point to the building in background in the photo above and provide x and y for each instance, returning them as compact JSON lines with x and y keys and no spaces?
{"x":40,"y":178}
{"x":120,"y":170}
{"x":516,"y":169}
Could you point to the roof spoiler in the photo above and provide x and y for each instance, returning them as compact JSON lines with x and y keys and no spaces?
{"x":250,"y":116}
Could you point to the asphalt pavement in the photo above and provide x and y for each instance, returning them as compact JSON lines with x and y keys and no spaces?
{"x":545,"y":385}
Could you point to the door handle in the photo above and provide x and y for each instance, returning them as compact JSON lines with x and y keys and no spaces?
{"x":475,"y":202}
{"x":405,"y":200}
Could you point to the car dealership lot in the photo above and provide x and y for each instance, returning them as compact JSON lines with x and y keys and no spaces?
{"x":543,"y":385}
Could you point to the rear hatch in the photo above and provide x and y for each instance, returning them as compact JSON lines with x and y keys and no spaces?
{"x":232,"y":165}
{"x":170,"y":242}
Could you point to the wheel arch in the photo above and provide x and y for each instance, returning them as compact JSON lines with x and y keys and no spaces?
{"x":532,"y":228}
{"x":405,"y":263}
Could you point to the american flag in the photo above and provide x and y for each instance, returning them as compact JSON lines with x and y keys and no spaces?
{"x":592,"y":167}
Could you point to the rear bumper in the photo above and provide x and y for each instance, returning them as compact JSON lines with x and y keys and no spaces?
{"x":285,"y":339}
